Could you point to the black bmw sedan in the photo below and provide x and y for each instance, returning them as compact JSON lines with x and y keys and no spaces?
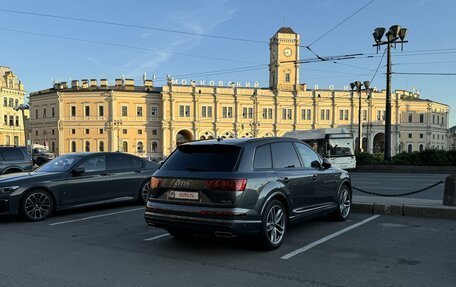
{"x":75,"y":180}
{"x":253,"y":187}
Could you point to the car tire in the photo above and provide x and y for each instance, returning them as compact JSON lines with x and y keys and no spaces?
{"x":36,"y":205}
{"x":344,"y":201}
{"x":180,"y":233}
{"x":144,"y":192}
{"x":273,"y":226}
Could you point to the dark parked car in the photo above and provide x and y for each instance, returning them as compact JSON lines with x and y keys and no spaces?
{"x":41,"y":156}
{"x":251,"y":187}
{"x":75,"y":180}
{"x":14,"y":159}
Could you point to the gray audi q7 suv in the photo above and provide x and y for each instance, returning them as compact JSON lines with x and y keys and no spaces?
{"x":235,"y":187}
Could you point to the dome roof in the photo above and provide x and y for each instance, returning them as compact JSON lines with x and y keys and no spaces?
{"x":286,"y":30}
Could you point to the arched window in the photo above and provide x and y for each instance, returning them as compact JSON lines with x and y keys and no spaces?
{"x":101,"y":146}
{"x":125,"y":146}
{"x":202,"y":137}
{"x":87,"y":146}
{"x":140,"y":147}
{"x":421,"y":147}
{"x":73,"y":146}
{"x":410,"y":148}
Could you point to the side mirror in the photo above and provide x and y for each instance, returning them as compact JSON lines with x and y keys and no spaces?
{"x":315,"y":164}
{"x":326,"y":163}
{"x":78,"y":171}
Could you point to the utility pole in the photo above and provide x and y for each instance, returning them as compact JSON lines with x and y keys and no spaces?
{"x":358,"y":86}
{"x":395,"y":35}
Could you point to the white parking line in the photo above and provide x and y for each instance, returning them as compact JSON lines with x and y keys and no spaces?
{"x":96,"y":216}
{"x":156,"y":237}
{"x":324,"y":239}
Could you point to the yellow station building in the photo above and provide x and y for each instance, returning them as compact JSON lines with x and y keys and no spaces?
{"x":150,"y":121}
{"x":12,"y":95}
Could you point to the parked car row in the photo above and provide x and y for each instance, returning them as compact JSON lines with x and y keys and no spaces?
{"x":224,"y":187}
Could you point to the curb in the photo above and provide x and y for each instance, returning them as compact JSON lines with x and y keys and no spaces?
{"x":443,"y":212}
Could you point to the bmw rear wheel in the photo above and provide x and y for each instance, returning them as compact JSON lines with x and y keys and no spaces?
{"x":343,"y":204}
{"x":144,"y":192}
{"x":36,"y":205}
{"x":274,"y":225}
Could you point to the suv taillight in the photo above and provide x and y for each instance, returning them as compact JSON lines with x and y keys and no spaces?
{"x":226,"y":184}
{"x":155,"y":182}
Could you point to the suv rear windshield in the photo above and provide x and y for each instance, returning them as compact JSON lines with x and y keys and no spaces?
{"x":203,"y":158}
{"x":11,"y":153}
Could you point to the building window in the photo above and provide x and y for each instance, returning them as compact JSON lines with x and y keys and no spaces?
{"x":140,"y":147}
{"x":73,"y":131}
{"x":380,"y":115}
{"x":421,"y":118}
{"x":5,"y":120}
{"x":87,"y":146}
{"x":343,"y":115}
{"x":5,"y":102}
{"x":53,"y":112}
{"x":433,"y":119}
{"x":154,"y":111}
{"x":53,"y":146}
{"x":287,"y":77}
{"x":247,"y":113}
{"x":100,"y":131}
{"x":11,"y":121}
{"x":410,"y":148}
{"x":124,"y":131}
{"x":73,"y":111}
{"x":16,"y":141}
{"x":11,"y":102}
{"x":287,"y":114}
{"x":53,"y":132}
{"x":204,"y":111}
{"x":139,"y":111}
{"x":125,"y":146}
{"x":410,"y":117}
{"x":409,"y":136}
{"x":7,"y":140}
{"x":87,"y":131}
{"x":73,"y":146}
{"x":124,"y":111}
{"x":17,"y":121}
{"x":101,"y":111}
{"x":227,"y":112}
{"x":154,"y":132}
{"x":44,"y":112}
{"x":421,"y":136}
{"x":184,"y":111}
{"x":267,"y":113}
{"x":364,"y":115}
{"x":36,"y":113}
{"x":101,"y":146}
{"x":140,"y":132}
{"x":36,"y":133}
{"x":154,"y":147}
{"x":87,"y":111}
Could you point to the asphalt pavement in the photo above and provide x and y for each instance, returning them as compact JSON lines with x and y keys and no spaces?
{"x":114,"y":247}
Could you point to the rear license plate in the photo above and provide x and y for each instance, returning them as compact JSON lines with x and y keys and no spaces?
{"x":183,"y":195}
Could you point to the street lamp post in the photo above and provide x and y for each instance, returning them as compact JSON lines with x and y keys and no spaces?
{"x":358,"y":85}
{"x":117,"y":123}
{"x":23,"y":107}
{"x":395,"y":35}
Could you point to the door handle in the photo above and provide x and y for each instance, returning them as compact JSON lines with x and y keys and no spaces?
{"x":284,"y":179}
{"x":314,"y":177}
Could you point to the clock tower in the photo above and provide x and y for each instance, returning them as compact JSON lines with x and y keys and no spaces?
{"x":284,"y":56}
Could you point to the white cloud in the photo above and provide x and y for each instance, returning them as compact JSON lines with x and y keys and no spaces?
{"x":202,"y":20}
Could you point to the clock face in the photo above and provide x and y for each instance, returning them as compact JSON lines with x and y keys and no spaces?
{"x":287,"y":52}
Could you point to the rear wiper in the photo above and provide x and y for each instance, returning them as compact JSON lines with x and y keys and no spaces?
{"x":195,"y":169}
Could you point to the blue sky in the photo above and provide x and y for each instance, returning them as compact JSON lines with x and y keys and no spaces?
{"x":37,"y":58}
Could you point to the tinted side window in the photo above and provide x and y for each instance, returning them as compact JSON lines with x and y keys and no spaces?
{"x":94,"y":164}
{"x":136,"y":162}
{"x":307,"y":154}
{"x":262,"y":157}
{"x":284,"y":155}
{"x":120,"y":161}
{"x":11,"y":153}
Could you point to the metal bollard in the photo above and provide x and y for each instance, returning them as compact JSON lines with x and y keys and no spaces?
{"x":449,"y":196}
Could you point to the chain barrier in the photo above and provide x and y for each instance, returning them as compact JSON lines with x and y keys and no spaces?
{"x":400,"y":194}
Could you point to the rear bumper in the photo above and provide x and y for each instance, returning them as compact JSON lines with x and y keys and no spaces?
{"x":234,"y":221}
